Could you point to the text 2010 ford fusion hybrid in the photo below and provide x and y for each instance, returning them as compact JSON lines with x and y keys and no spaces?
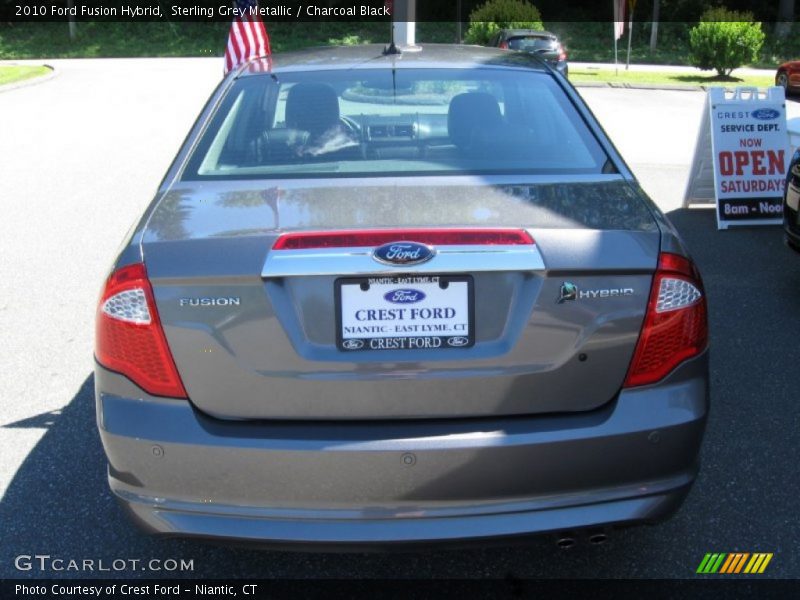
{"x":384,"y":299}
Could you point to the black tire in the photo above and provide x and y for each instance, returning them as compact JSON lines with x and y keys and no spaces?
{"x":782,"y":80}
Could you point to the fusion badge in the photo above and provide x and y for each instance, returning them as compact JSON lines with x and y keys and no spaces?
{"x":229,"y":301}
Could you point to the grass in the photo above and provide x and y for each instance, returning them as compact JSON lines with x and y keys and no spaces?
{"x":14,"y":73}
{"x":688,"y":77}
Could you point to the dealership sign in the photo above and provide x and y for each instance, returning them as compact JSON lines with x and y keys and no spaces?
{"x":750,"y":150}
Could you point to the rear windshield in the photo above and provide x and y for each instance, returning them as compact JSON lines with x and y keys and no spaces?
{"x":531,"y":43}
{"x":401,"y":122}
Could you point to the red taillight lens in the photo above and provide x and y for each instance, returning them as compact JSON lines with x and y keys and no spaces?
{"x":129,"y":338}
{"x":441,"y":237}
{"x":562,"y":56}
{"x":503,"y":45}
{"x":675,"y":327}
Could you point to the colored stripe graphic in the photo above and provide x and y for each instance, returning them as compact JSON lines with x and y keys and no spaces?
{"x":734,"y":563}
{"x":711,"y":563}
{"x":758,"y":563}
{"x":703,"y":564}
{"x":731,"y":563}
{"x":741,"y":562}
{"x":729,"y":560}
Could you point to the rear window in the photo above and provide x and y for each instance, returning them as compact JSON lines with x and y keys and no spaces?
{"x":404,"y":122}
{"x":531,"y":43}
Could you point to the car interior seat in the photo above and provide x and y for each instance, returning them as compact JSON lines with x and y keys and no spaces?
{"x":312,"y":107}
{"x":313,"y":127}
{"x":475,"y":124}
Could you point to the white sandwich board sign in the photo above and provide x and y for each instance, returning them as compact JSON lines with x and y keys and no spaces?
{"x":748,"y":155}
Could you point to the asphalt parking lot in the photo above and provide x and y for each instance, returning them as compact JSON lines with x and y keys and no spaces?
{"x":80,"y":156}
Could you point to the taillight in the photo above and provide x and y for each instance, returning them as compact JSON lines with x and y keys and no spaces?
{"x":304,"y":240}
{"x":129,"y":338}
{"x":675,"y":327}
{"x":503,"y":45}
{"x":562,"y":54}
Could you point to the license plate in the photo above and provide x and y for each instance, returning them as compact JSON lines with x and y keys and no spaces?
{"x":413,"y":312}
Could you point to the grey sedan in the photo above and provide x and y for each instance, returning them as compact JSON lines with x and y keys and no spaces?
{"x":383,"y":299}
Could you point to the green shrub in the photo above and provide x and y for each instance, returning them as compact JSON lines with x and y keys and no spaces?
{"x":725,"y":40}
{"x":489,"y":18}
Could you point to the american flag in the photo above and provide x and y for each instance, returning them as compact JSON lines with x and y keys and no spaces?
{"x":248,"y":38}
{"x":619,"y":18}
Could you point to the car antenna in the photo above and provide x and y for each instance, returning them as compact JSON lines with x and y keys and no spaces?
{"x":391,"y":48}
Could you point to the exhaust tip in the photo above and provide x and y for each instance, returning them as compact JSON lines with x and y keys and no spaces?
{"x":565,"y":540}
{"x":598,"y":537}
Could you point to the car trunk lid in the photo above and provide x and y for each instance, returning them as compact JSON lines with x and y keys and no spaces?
{"x":256,"y":331}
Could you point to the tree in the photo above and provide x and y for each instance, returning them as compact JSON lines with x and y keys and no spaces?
{"x":71,"y":19}
{"x":654,"y":28}
{"x":725,"y":40}
{"x":783,"y":24}
{"x":495,"y":15}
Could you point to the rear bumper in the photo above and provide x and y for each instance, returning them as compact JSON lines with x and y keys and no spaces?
{"x":179,"y":472}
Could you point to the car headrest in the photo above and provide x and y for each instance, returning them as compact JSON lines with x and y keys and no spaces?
{"x":469,"y":112}
{"x":312,"y":107}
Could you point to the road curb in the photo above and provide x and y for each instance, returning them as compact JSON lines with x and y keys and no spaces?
{"x":644,"y":86}
{"x":32,"y":81}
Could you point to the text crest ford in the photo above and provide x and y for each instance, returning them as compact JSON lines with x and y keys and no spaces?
{"x":403,"y":253}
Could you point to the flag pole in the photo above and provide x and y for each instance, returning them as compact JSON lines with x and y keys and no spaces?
{"x":632,"y":6}
{"x":615,"y":7}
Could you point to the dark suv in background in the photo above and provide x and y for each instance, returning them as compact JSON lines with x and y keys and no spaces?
{"x":542,"y":43}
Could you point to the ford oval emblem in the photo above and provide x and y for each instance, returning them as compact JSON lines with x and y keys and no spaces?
{"x":404,"y":296}
{"x":457,"y":341}
{"x":403,"y":253}
{"x":765,"y":114}
{"x":353,"y":344}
